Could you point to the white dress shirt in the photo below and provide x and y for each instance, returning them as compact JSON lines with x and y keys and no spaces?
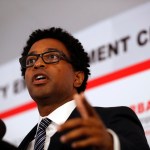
{"x":57,"y":118}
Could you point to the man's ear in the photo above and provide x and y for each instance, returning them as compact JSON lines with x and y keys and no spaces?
{"x":79,"y":77}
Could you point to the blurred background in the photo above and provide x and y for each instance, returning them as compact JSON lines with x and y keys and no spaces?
{"x":71,"y":15}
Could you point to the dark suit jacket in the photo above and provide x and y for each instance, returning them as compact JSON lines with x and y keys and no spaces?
{"x":121,"y":120}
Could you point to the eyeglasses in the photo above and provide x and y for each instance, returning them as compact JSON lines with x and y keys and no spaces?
{"x":49,"y":57}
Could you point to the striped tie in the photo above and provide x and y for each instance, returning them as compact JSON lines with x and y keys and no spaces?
{"x":41,"y":134}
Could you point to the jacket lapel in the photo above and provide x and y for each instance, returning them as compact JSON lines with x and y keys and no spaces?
{"x":55,"y":143}
{"x":30,"y":136}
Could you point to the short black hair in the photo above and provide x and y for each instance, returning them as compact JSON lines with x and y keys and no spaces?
{"x":79,"y":58}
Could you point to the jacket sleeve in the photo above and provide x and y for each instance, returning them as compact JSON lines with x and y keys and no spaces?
{"x":124,"y":122}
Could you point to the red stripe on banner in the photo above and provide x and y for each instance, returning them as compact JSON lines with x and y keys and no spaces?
{"x":119,"y":74}
{"x":91,"y":84}
{"x":17,"y":110}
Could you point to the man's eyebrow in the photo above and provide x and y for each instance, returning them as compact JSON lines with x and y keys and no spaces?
{"x":46,"y":50}
{"x":33,"y":52}
{"x":52,"y":49}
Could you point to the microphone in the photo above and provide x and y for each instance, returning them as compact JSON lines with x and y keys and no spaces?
{"x":3,"y":144}
{"x":2,"y":129}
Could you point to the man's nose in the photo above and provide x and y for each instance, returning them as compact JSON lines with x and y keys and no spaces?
{"x":39,"y":63}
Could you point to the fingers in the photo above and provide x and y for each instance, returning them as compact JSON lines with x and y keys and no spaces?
{"x":79,"y":122}
{"x":90,"y":142}
{"x":84,"y":108}
{"x":82,"y":136}
{"x":83,"y":142}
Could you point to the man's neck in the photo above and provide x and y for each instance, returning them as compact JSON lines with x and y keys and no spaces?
{"x":45,"y":110}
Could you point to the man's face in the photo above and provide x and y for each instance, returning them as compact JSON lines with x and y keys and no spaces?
{"x":50,"y":83}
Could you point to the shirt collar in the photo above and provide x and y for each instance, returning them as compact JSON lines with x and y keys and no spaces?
{"x":62,"y":113}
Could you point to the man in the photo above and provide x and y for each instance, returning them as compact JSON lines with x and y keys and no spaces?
{"x":56,"y":69}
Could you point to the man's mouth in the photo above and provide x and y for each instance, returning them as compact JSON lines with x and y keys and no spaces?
{"x":40,"y":79}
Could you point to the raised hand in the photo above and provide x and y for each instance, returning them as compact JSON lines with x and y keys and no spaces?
{"x":87,"y":131}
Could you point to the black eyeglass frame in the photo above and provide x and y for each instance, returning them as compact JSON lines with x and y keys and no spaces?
{"x":61,"y":55}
